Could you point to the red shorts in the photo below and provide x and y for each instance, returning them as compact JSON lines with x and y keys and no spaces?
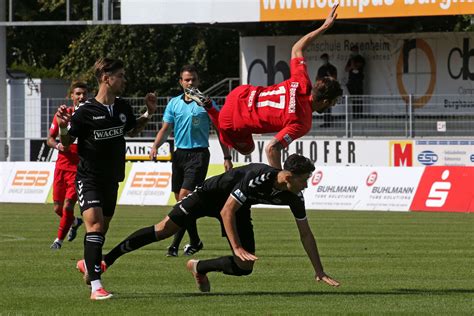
{"x":230,"y":118}
{"x":63,"y":185}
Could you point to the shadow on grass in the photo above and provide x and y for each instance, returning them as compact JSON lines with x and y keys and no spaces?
{"x":298,"y":293}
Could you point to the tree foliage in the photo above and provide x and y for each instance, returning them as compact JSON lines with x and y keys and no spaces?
{"x":153,"y":55}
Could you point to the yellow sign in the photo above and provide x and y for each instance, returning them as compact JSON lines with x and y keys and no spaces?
{"x":287,"y":10}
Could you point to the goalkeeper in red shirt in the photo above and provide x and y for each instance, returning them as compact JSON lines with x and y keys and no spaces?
{"x":285,"y":108}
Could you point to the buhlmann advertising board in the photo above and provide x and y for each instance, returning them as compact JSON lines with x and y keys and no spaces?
{"x":397,"y":65}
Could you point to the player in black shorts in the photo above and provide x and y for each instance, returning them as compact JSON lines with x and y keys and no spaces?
{"x":100,"y":125}
{"x":229,"y":196}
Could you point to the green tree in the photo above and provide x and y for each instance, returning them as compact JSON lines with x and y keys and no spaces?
{"x":153,"y":55}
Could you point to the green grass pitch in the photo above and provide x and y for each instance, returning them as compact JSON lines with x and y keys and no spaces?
{"x":387,"y":262}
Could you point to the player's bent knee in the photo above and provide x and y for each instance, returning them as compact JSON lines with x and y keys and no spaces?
{"x":231,"y":267}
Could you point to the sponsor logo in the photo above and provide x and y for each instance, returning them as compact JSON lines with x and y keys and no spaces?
{"x":401,"y":153}
{"x":292,"y":104}
{"x":251,"y":97}
{"x":392,"y":190}
{"x":93,"y":201}
{"x":102,"y":117}
{"x":287,"y":139}
{"x":466,"y":55}
{"x":123,"y":117}
{"x":472,"y":158}
{"x":30,"y":178}
{"x":317,"y":177}
{"x":240,"y":195}
{"x":108,"y":133}
{"x":337,"y":189}
{"x":427,"y":158}
{"x":269,"y":67}
{"x":371,"y":179}
{"x":196,"y":120}
{"x":403,"y":69}
{"x":152,"y":179}
{"x":439,"y":191}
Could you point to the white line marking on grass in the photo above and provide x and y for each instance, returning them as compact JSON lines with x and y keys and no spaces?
{"x":7,"y":238}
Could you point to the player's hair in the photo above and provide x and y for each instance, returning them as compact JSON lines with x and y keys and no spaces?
{"x":187,"y":68}
{"x":106,"y":66}
{"x":328,"y":88}
{"x":298,"y":164}
{"x":77,"y":84}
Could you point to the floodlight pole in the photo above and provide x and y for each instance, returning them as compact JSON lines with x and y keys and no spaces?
{"x":3,"y":84}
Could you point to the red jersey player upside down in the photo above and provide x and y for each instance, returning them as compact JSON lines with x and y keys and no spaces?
{"x":285,"y":108}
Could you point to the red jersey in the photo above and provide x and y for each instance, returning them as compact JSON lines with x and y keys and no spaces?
{"x":285,"y":108}
{"x":67,"y":160}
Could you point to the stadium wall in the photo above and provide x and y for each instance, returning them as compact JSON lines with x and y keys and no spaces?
{"x":364,"y":180}
{"x":419,"y":64}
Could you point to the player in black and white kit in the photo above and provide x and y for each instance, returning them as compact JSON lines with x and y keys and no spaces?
{"x":229,"y":197}
{"x":100,"y":125}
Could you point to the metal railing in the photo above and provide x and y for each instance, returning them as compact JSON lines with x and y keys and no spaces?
{"x":353,"y":117}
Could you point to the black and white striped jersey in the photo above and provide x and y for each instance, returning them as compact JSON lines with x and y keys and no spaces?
{"x":100,"y":131}
{"x":249,"y":185}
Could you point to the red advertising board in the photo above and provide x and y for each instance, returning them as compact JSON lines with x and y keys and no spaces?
{"x":445,"y":189}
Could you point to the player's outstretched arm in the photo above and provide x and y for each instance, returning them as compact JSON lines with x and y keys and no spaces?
{"x":150,"y":102}
{"x":309,"y":244}
{"x":230,"y":225}
{"x":305,"y":41}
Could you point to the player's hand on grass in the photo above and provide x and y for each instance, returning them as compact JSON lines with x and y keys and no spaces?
{"x":327,"y":279}
{"x":244,"y":255}
{"x":63,"y":116}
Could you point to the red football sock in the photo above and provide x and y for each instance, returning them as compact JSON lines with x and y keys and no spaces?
{"x":65,"y":223}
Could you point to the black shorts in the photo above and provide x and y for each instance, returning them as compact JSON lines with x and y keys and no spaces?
{"x":189,"y":168}
{"x":194,"y":206}
{"x":93,"y":193}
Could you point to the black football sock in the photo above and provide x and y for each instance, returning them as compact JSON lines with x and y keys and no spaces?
{"x":93,"y":243}
{"x":193,"y":234}
{"x":178,"y":237}
{"x":222,"y":264}
{"x":138,"y":239}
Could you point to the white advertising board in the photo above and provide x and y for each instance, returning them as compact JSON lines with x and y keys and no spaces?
{"x":328,"y":152}
{"x":362,"y":188}
{"x":148,"y":183}
{"x":25,"y":182}
{"x":396,"y":65}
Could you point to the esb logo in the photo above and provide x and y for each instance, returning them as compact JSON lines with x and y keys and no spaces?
{"x":446,"y":189}
{"x":152,"y":179}
{"x":31,"y":178}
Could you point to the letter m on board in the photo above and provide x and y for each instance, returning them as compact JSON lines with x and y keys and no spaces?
{"x":401,"y":153}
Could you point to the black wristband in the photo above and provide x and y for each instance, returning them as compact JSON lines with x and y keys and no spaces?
{"x":227,"y":157}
